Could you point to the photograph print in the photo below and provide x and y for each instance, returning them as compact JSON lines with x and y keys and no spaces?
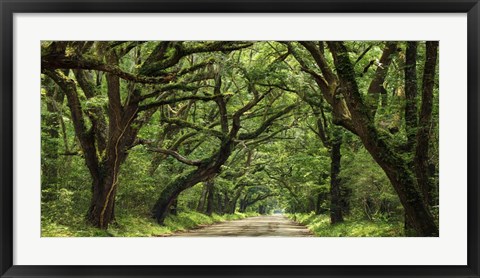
{"x":239,"y":139}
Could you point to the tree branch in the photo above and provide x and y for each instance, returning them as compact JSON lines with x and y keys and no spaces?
{"x":319,"y":79}
{"x":170,"y":87}
{"x":222,"y":106}
{"x":319,"y":59}
{"x":376,"y":86}
{"x":95,"y":114}
{"x":175,"y":100}
{"x":363,"y":54}
{"x":75,"y":62}
{"x":266,"y":138}
{"x":266,"y":124}
{"x":178,"y":157}
{"x":181,"y":51}
{"x":186,"y":124}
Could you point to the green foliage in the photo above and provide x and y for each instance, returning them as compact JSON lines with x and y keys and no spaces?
{"x":372,"y":196}
{"x":320,"y":226}
{"x":134,"y":226}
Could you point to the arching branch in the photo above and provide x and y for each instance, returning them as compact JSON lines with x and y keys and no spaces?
{"x":178,"y":157}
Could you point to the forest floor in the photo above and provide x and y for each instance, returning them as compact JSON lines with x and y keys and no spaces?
{"x":265,"y":225}
{"x":321,"y":227}
{"x":133,"y":226}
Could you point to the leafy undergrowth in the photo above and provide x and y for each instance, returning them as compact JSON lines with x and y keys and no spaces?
{"x":133,"y":226}
{"x":320,"y":226}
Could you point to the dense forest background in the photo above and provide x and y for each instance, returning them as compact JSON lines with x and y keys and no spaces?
{"x":144,"y":138}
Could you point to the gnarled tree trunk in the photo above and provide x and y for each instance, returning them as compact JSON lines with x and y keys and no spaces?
{"x":101,"y":211}
{"x":396,"y":167}
{"x":171,"y":192}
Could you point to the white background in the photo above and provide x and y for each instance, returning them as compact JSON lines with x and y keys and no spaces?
{"x":449,"y":248}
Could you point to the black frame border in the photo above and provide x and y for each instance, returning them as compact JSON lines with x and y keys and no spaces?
{"x":9,"y":7}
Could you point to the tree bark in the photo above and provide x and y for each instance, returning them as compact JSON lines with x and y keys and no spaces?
{"x":201,"y":200}
{"x":376,"y":87}
{"x":210,"y":198}
{"x":411,"y":118}
{"x":101,"y":212}
{"x":422,"y":169}
{"x":336,"y":215}
{"x":234,"y":201}
{"x":243,"y":203}
{"x":225,"y":204}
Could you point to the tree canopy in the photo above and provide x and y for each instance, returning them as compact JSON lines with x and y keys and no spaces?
{"x":153,"y":130}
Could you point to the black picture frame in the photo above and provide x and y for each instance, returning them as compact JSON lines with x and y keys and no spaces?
{"x":9,"y":7}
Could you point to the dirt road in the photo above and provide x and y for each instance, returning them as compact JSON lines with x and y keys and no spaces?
{"x":269,"y":226}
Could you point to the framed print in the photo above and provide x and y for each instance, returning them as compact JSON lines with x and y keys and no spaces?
{"x":239,"y":138}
